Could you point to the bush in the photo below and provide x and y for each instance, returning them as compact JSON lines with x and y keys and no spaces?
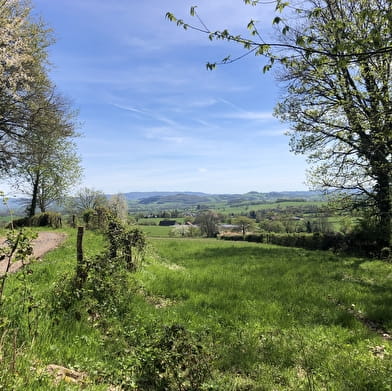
{"x":357,"y":242}
{"x":256,"y":238}
{"x":167,"y":223}
{"x":46,"y":219}
{"x":173,"y":359}
{"x":386,"y":253}
{"x":231,"y":236}
{"x":315,"y":241}
{"x":18,"y":223}
{"x":97,"y":218}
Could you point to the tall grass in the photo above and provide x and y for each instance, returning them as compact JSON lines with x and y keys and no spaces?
{"x":260,"y":317}
{"x":289,"y":313}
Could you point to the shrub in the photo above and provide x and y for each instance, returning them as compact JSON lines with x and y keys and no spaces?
{"x":97,"y":218}
{"x":45,"y":219}
{"x":174,"y":360}
{"x":231,"y":236}
{"x":386,"y":253}
{"x":315,"y":241}
{"x":256,"y":238}
{"x":18,"y":223}
{"x":167,"y":223}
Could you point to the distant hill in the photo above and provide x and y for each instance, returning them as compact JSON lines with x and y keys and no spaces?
{"x":180,"y":198}
{"x":143,"y":195}
{"x":158,"y":201}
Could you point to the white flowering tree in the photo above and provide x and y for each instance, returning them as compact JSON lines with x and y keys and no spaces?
{"x":23,"y":62}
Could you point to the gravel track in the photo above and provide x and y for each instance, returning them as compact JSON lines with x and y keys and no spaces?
{"x":46,"y":241}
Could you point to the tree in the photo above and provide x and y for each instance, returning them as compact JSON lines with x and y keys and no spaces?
{"x":245,"y":223}
{"x":47,"y":164}
{"x":23,"y":64}
{"x":119,"y":207}
{"x":208,"y":223}
{"x":336,"y":65}
{"x":341,"y":107}
{"x":87,"y":198}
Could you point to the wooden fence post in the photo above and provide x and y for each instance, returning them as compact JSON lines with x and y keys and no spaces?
{"x":81,"y":271}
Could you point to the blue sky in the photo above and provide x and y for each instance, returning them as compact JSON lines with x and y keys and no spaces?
{"x":153,"y":118}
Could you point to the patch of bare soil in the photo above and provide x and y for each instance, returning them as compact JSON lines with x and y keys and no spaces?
{"x":45,"y":242}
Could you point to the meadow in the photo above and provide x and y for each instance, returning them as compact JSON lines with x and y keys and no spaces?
{"x":203,"y":314}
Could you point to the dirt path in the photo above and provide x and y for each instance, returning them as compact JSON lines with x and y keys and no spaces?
{"x":46,"y":241}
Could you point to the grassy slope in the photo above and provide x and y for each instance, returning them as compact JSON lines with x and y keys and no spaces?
{"x":276,"y":318}
{"x":278,"y":313}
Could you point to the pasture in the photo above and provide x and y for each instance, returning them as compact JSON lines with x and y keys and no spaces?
{"x":259,"y":317}
{"x":280,"y":319}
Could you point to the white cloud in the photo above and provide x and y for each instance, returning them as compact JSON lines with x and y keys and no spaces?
{"x":250,"y":115}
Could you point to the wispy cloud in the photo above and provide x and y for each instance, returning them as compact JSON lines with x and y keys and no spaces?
{"x":155,"y":119}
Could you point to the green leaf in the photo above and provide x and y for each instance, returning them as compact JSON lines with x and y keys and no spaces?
{"x":263,"y":49}
{"x":280,"y":5}
{"x":251,"y":25}
{"x":170,"y":17}
{"x":276,"y":20}
{"x":193,"y":10}
{"x":300,"y":41}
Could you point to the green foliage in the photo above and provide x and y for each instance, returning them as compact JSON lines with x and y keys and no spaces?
{"x":46,"y":219}
{"x":173,"y":359}
{"x":357,"y":242}
{"x":105,"y":276}
{"x":23,"y":71}
{"x":335,"y":57}
{"x":126,"y":243}
{"x":17,"y":248}
{"x":245,"y":223}
{"x":231,"y":316}
{"x":47,"y":162}
{"x":279,"y":318}
{"x":208,"y":223}
{"x":231,"y":236}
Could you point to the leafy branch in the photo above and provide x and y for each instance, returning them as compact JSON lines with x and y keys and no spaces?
{"x":303,"y":45}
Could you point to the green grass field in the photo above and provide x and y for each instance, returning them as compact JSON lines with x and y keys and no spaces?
{"x":155,"y":230}
{"x":243,"y":209}
{"x":277,"y":313}
{"x":267,"y":317}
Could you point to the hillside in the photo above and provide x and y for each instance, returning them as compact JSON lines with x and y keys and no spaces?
{"x":142,"y":202}
{"x":152,"y":202}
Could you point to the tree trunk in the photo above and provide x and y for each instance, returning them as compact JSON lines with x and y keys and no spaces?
{"x":81,"y":267}
{"x":384,"y":205}
{"x":42,"y":207}
{"x":34,"y":198}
